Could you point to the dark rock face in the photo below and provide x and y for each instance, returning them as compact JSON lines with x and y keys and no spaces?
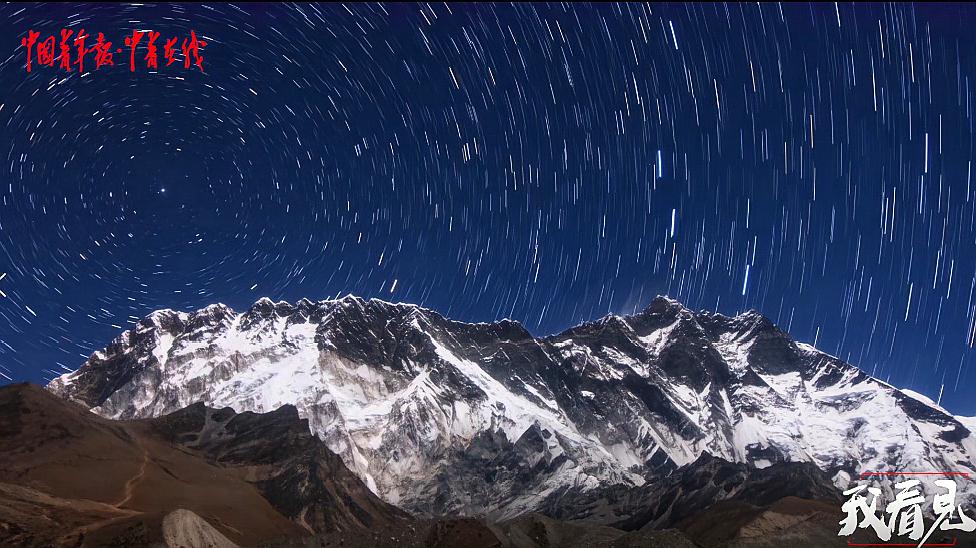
{"x":417,"y":405}
{"x":709,"y":480}
{"x":735,"y":494}
{"x":292,"y":468}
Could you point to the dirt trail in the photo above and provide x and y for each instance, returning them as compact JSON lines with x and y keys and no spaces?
{"x":134,"y":480}
{"x":124,"y":513}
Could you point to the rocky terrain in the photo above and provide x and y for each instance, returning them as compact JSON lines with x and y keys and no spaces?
{"x":69,"y":477}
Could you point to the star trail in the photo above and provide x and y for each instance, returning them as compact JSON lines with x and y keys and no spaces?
{"x":547,"y":163}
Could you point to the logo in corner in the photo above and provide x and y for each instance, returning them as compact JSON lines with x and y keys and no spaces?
{"x":905,"y":516}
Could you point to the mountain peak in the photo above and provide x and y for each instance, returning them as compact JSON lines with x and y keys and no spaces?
{"x":349,"y":298}
{"x":664,"y":303}
{"x":266,"y":304}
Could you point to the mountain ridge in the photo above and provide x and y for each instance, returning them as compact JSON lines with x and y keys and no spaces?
{"x":400,"y":391}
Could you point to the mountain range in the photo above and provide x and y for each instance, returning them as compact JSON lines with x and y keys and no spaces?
{"x":631,"y":423}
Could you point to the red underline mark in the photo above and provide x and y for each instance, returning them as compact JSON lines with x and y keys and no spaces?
{"x":912,"y":545}
{"x":866,"y":474}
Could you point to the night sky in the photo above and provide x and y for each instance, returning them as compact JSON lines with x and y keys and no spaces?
{"x":547,"y":163}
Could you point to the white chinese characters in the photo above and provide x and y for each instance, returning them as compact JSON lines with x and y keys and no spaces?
{"x":905,"y":516}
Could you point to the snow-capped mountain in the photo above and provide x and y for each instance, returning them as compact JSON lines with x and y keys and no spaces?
{"x":439,"y":416}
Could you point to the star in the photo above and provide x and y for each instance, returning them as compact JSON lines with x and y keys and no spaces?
{"x":545,"y":163}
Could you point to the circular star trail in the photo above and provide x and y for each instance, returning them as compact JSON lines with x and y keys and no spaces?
{"x":547,"y":163}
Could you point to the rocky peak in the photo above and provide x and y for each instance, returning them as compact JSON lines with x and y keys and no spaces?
{"x":166,"y":320}
{"x":266,"y":308}
{"x":212,"y":316}
{"x":664,"y":305}
{"x":664,"y":312}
